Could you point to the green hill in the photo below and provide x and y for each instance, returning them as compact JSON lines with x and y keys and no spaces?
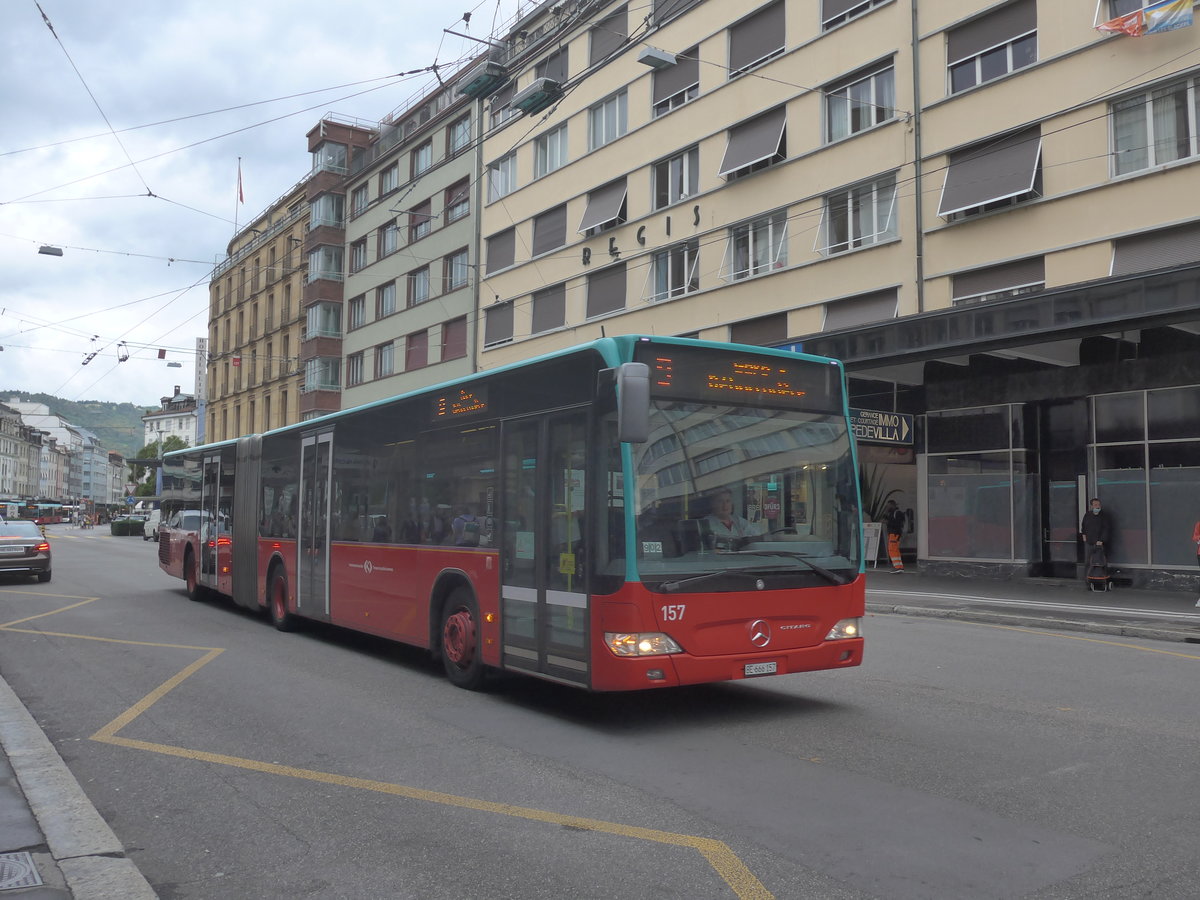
{"x":118,"y":425}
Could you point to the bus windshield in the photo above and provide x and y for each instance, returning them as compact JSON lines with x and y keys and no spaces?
{"x":721,"y":488}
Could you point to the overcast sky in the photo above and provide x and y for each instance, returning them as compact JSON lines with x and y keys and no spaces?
{"x":135,"y":267}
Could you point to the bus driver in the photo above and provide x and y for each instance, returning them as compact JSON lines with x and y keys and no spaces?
{"x":723,"y":522}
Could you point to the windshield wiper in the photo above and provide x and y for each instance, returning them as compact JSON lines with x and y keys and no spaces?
{"x":672,"y":586}
{"x":825,"y":573}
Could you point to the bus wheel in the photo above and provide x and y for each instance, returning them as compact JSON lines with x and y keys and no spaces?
{"x":460,"y":640}
{"x":194,"y":590}
{"x":277,"y":602}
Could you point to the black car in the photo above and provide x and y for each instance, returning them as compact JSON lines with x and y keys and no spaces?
{"x":24,"y":549}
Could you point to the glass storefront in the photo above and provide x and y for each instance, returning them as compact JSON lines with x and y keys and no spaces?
{"x":981,"y":499}
{"x":1146,"y":460}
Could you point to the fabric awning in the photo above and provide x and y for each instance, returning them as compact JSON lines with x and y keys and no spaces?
{"x":604,"y":205}
{"x":995,"y":170}
{"x":753,"y":141}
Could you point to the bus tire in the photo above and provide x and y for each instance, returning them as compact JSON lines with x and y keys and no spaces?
{"x":461,"y":657}
{"x":277,"y":599}
{"x":194,"y":590}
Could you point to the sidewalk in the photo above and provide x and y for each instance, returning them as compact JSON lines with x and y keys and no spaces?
{"x":53,"y":843}
{"x":1060,"y":604}
{"x":44,"y":812}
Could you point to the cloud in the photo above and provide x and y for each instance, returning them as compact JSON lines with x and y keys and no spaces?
{"x":129,"y":269}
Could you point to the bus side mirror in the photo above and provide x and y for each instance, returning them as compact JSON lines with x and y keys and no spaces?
{"x":633,"y":402}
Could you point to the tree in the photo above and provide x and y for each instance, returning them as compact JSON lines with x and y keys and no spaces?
{"x":146,"y":477}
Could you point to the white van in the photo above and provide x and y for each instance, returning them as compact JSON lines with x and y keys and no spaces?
{"x":150,"y":527}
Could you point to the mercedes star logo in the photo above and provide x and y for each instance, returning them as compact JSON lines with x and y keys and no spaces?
{"x":760,"y":633}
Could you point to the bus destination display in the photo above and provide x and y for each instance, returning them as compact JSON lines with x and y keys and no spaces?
{"x":460,"y":403}
{"x":718,"y":376}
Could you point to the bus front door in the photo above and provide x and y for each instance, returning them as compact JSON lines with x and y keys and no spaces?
{"x":312,"y":529}
{"x":544,"y":600}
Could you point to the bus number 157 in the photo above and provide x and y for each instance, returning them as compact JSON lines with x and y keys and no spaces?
{"x":674,"y":612}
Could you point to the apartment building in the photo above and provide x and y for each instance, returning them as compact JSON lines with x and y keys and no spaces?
{"x":175,"y":417}
{"x":255,"y":321}
{"x":410,"y":246}
{"x":986,"y":209}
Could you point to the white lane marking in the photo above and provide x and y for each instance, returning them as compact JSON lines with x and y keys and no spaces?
{"x":1042,"y":604}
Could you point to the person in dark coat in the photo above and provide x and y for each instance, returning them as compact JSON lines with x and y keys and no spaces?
{"x":1096,"y":531}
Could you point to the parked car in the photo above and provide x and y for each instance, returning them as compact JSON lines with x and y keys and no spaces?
{"x":150,"y":529}
{"x":24,"y":549}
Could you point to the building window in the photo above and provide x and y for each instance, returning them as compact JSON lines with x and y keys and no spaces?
{"x":389,"y":238}
{"x":416,"y":351}
{"x":549,"y":308}
{"x":993,"y":174}
{"x":757,"y":247}
{"x":325,"y":262}
{"x":1014,"y":279}
{"x":498,"y":324}
{"x":550,"y":151}
{"x":835,"y":12}
{"x":418,"y":286}
{"x":360,"y":199}
{"x":420,"y":221}
{"x":422,"y":158}
{"x":500,"y":250}
{"x":385,"y":359}
{"x":454,"y":339}
{"x":458,"y":135}
{"x":677,"y":84}
{"x":329,"y":157}
{"x":755,"y":39}
{"x":356,"y":312}
{"x":323,"y":320}
{"x":676,"y":271}
{"x":354,"y":369}
{"x":385,"y":300}
{"x":389,"y":179}
{"x":1156,"y":127}
{"x":608,"y":35}
{"x":553,"y":66}
{"x":458,"y":201}
{"x":606,"y":208}
{"x":550,"y":230}
{"x":502,"y":177}
{"x":676,"y":178}
{"x":500,"y":110}
{"x":992,"y":45}
{"x":322,"y":374}
{"x":608,"y":120}
{"x":860,"y":216}
{"x":358,"y":255}
{"x":328,"y":209}
{"x":454,"y":271}
{"x":606,"y":291}
{"x":859,"y":102}
{"x":755,"y":144}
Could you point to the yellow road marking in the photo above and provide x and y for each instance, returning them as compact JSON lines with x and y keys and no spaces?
{"x":1076,"y":637}
{"x":719,"y":856}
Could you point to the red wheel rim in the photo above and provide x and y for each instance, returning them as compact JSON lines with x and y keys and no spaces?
{"x":458,"y":638}
{"x":279,"y":602}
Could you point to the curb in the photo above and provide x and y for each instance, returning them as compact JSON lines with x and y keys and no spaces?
{"x":85,"y":849}
{"x":1150,"y":632}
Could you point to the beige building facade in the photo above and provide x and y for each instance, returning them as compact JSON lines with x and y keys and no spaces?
{"x":985,"y":209}
{"x":255,"y":324}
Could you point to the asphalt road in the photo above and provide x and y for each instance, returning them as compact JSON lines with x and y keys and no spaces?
{"x":962,"y":760}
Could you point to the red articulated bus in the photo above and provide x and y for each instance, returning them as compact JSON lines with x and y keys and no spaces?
{"x":628,"y":514}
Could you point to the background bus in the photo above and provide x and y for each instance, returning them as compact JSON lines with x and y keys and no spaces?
{"x":554,"y":517}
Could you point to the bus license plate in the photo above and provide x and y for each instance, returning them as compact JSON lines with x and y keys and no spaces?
{"x":763,"y":668}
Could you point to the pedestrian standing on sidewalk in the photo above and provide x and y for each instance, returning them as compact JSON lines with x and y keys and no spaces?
{"x":894,"y":521}
{"x":1096,"y":530}
{"x":1196,"y":541}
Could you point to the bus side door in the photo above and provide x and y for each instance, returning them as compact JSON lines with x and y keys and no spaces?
{"x":544,"y":599}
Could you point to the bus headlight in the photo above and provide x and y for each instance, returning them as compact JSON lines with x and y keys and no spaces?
{"x":647,"y":644}
{"x":847,"y":628}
